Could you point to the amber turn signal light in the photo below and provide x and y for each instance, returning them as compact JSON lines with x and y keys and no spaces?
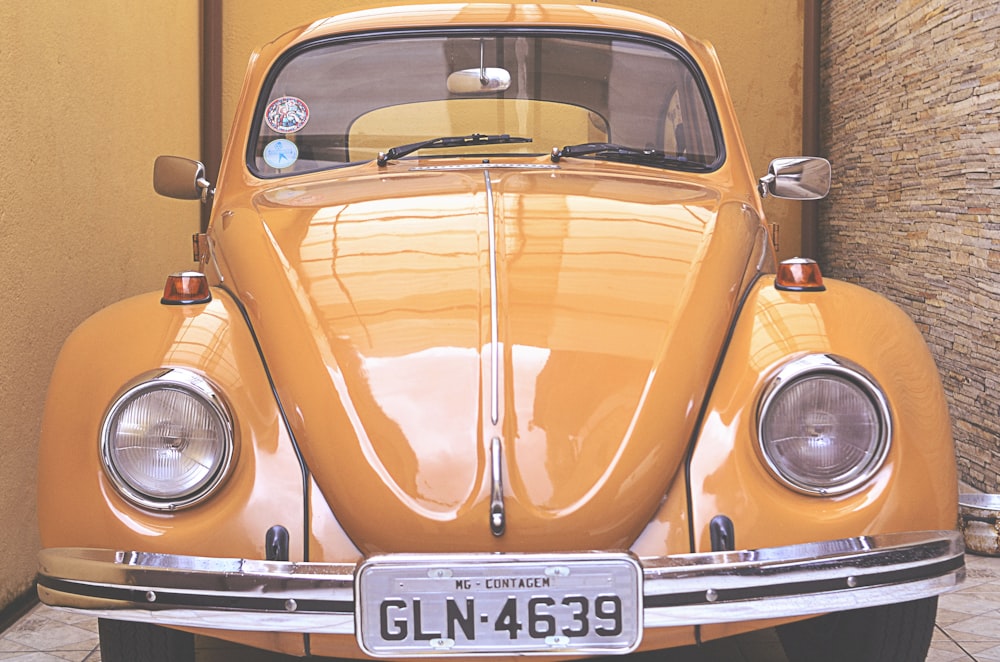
{"x":799,"y":274}
{"x":186,"y":287}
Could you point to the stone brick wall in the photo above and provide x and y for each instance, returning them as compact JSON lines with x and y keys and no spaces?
{"x":911,"y":123}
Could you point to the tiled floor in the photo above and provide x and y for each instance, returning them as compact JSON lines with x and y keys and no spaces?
{"x":968,"y":628}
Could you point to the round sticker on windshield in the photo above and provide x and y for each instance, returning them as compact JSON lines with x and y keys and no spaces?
{"x":281,"y":153}
{"x":287,"y":114}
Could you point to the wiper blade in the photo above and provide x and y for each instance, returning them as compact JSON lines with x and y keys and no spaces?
{"x":449,"y":141}
{"x":618,"y":152}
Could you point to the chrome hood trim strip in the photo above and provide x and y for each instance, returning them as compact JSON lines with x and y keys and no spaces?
{"x":495,"y":366}
{"x":689,"y":589}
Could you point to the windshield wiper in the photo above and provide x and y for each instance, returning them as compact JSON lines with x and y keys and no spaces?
{"x":628,"y":154}
{"x":448,"y":141}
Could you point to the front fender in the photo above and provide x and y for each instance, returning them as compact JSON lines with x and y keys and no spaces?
{"x":916,"y":488}
{"x":78,"y":505}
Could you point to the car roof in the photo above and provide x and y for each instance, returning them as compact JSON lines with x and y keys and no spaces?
{"x":549,"y":14}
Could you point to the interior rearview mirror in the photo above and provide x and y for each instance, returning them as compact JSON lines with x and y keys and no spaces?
{"x":479,"y":81}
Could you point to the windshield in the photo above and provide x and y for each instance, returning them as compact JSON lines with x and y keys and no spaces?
{"x":345,"y":100}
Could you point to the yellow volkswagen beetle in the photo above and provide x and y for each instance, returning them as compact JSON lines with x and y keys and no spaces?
{"x":489,"y":355}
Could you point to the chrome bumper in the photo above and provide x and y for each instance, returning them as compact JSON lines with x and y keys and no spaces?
{"x":688,"y":589}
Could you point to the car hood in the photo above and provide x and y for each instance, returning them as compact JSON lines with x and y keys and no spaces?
{"x":409,"y":319}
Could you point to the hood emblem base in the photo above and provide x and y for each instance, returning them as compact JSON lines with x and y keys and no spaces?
{"x":498,"y":518}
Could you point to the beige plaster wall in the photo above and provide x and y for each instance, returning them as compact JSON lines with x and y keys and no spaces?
{"x":91,"y":93}
{"x":760,"y":44}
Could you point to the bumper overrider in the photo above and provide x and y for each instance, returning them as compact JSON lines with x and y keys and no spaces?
{"x":688,"y":589}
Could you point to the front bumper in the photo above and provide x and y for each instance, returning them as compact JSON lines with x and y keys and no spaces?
{"x":688,"y":589}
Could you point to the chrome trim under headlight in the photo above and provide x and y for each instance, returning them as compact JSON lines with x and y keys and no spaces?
{"x":823,"y":425}
{"x":167,"y":440}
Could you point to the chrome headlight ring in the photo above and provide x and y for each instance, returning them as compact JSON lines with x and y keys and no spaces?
{"x":823,"y":425}
{"x":167,"y":440}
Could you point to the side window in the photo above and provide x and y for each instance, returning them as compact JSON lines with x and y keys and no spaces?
{"x":674,"y":141}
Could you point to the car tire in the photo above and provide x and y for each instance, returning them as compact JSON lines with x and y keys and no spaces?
{"x":124,"y":641}
{"x":890,"y":633}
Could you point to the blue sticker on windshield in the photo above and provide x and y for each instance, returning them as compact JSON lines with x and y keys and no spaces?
{"x":281,"y":153}
{"x":287,"y":114}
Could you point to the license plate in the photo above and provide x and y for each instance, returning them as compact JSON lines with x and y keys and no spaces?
{"x":504,"y":604}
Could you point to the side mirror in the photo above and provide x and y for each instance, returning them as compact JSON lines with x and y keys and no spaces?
{"x":797,"y":178}
{"x":184,"y":179}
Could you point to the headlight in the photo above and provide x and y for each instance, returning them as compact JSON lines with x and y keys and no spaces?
{"x":167,"y":440}
{"x":823,"y":425}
